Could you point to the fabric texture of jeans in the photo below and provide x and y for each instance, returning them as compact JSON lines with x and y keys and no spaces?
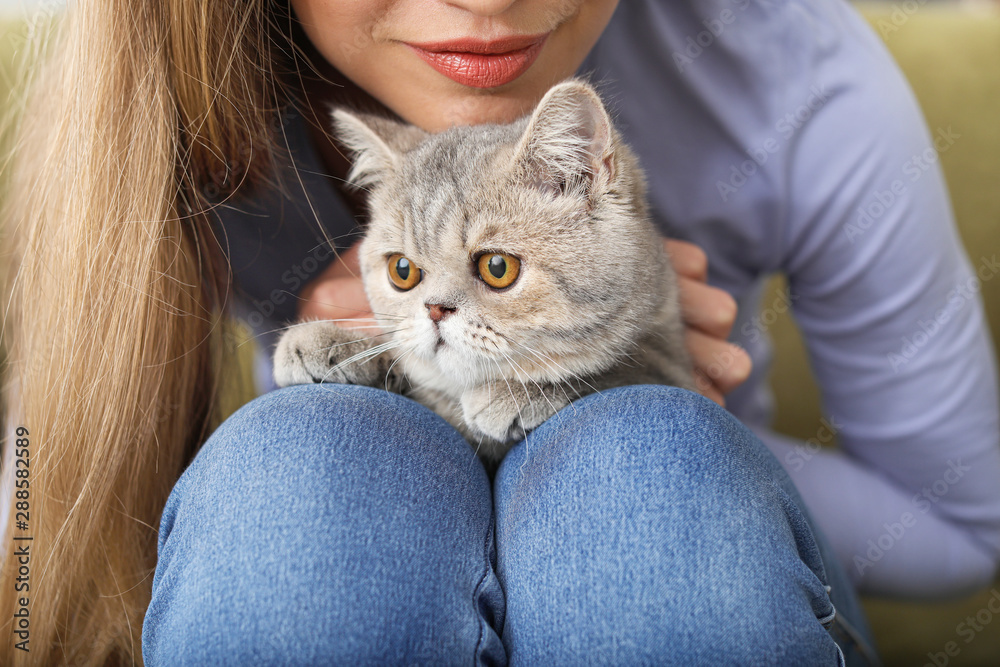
{"x":330,"y":524}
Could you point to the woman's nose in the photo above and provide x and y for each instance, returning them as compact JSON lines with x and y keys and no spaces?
{"x":483,"y":7}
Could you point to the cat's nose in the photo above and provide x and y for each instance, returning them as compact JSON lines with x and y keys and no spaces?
{"x":438,"y":312}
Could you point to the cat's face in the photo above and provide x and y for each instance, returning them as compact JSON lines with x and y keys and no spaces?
{"x":494,"y":252}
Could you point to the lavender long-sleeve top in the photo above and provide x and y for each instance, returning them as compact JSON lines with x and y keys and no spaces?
{"x":780,"y":137}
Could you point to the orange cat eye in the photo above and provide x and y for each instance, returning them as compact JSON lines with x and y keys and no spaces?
{"x":403,"y":273}
{"x":498,"y":270}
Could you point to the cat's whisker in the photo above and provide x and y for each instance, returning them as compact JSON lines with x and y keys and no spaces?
{"x":544,"y":359}
{"x":402,"y":375}
{"x":570,"y":374}
{"x":303,"y":323}
{"x":366,"y":355}
{"x":351,"y":342}
{"x":540,"y":390}
{"x":388,"y":316}
{"x":356,"y":310}
{"x":527,"y":436}
{"x":283,"y":329}
{"x":395,"y":361}
{"x":353,"y":320}
{"x":510,"y":389}
{"x":485,"y":368}
{"x":489,"y":401}
{"x":331,"y":348}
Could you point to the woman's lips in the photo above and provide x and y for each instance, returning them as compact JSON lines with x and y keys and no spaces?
{"x":482,"y":64}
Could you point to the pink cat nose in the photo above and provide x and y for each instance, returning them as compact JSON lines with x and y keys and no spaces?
{"x":437,"y":312}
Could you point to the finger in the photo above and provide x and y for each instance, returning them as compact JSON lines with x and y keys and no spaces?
{"x":338,"y":299}
{"x":689,"y":260}
{"x":350,"y":258}
{"x":706,"y":308}
{"x":707,"y":389}
{"x":347,"y":264}
{"x":723,"y":364}
{"x":344,"y":267}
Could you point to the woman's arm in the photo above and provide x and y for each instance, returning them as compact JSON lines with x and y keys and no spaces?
{"x":890,"y":310}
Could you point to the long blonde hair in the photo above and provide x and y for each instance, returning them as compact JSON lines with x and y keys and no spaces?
{"x":115,"y":291}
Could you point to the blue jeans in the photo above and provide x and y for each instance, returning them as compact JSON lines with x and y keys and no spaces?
{"x":330,"y":524}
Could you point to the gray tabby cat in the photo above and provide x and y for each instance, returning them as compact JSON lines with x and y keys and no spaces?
{"x":513,"y":269}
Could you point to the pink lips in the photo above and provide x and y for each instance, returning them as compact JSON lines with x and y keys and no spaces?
{"x":482,"y":64}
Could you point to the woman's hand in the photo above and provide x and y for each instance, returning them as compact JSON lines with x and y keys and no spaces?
{"x":709,"y":313}
{"x":338,"y":294}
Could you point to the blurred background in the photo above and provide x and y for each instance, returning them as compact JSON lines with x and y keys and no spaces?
{"x":13,"y":9}
{"x":950,"y":52}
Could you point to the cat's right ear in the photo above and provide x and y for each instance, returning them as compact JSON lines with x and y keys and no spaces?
{"x":377,"y":144}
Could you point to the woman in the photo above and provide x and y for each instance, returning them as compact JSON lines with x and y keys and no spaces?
{"x":645,"y":525}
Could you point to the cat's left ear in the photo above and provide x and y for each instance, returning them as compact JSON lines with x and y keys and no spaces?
{"x":567,"y":147}
{"x":377,"y":143}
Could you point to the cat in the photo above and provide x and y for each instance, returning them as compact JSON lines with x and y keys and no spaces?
{"x":512,"y":268}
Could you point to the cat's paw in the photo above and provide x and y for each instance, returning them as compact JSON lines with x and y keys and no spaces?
{"x":321,"y":351}
{"x":507,"y":411}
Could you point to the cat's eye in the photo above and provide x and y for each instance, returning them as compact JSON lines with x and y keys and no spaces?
{"x":403,"y":273}
{"x":498,"y":270}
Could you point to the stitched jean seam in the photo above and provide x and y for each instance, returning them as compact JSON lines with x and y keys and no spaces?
{"x":481,"y":642}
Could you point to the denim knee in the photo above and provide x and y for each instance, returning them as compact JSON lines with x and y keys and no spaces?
{"x":319,"y":423}
{"x":324,"y":524}
{"x":646,"y":523}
